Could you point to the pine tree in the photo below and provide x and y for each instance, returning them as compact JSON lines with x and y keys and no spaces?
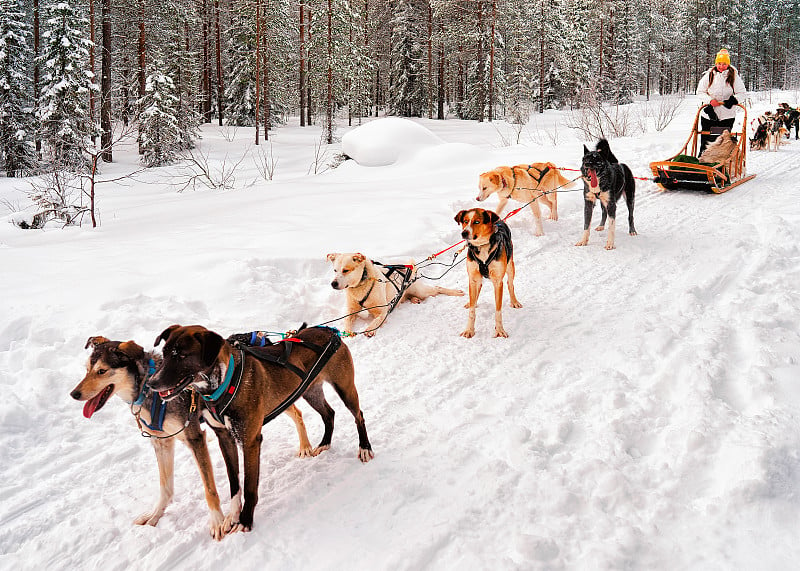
{"x":182,"y":68}
{"x":406,"y":92}
{"x":627,"y":54}
{"x":17,"y":151}
{"x":159,"y":129}
{"x":65,"y":127}
{"x":241,"y":92}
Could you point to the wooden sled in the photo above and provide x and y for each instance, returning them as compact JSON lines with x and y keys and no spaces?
{"x":684,"y":171}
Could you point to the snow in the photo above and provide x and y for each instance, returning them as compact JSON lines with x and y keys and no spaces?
{"x":641,"y":415}
{"x":385,"y":141}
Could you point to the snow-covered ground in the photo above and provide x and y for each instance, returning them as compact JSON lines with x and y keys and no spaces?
{"x":643,"y":413}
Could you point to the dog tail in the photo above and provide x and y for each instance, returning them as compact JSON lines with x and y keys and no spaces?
{"x":605,"y":151}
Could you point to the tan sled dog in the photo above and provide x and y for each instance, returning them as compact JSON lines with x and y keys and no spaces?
{"x":372,"y":286}
{"x":524,"y":183}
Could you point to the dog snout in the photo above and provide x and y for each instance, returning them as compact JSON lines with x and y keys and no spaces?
{"x":465,"y":234}
{"x":76,"y":394}
{"x":335,"y":284}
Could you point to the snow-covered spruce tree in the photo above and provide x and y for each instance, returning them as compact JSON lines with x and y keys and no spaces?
{"x":181,"y":67}
{"x":406,"y":89}
{"x":240,"y":93}
{"x":65,"y":127}
{"x":17,"y":151}
{"x":277,"y":62}
{"x":159,"y":130}
{"x":360,"y":65}
{"x":577,"y":62}
{"x":628,"y":63}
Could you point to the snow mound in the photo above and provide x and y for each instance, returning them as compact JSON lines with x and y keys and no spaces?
{"x":385,"y":141}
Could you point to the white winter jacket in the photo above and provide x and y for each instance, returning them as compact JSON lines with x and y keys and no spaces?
{"x":714,"y":85}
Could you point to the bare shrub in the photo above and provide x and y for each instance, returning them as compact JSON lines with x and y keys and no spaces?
{"x":265,"y":161}
{"x":665,"y":110}
{"x":596,"y":119}
{"x":200,"y":171}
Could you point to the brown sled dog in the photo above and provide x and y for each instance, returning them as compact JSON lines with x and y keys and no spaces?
{"x":490,"y":254}
{"x":193,"y":355}
{"x":524,"y":183}
{"x":122,"y":368}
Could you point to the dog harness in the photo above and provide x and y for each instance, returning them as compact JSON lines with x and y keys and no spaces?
{"x":402,"y":272}
{"x":400,"y":282}
{"x":499,"y":240}
{"x":158,"y":407}
{"x":538,"y":179}
{"x":219,"y":401}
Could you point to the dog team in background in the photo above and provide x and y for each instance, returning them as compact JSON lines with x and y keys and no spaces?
{"x":237,"y":385}
{"x":772,"y":128}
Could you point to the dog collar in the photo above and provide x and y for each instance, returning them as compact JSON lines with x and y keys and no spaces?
{"x":225,"y":384}
{"x":151,"y":369}
{"x":363,"y":279}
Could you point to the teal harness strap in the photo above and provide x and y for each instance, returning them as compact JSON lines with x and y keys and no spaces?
{"x":225,"y":384}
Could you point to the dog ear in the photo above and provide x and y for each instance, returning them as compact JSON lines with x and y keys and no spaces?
{"x":165,"y":334}
{"x":331,"y":257}
{"x":211,"y":343}
{"x":131,"y":349}
{"x":490,"y":217}
{"x":358,"y":258}
{"x":95,"y":341}
{"x":460,"y":216}
{"x":586,"y":151}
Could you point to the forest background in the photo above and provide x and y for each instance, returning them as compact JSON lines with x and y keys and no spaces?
{"x":73,"y":72}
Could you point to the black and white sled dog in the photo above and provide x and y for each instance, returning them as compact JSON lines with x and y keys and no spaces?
{"x":605,"y":179}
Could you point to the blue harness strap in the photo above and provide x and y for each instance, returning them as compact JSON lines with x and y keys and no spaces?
{"x":151,"y":369}
{"x":158,"y":408}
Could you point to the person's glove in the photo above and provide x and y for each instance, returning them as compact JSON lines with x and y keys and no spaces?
{"x":730,"y":102}
{"x":709,"y":109}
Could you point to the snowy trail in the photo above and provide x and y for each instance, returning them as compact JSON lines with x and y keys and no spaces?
{"x":642,"y":414}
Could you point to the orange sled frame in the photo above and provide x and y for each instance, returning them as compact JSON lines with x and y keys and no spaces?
{"x":721,"y":177}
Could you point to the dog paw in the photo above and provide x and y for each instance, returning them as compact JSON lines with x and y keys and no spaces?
{"x":365,"y":455}
{"x":460,"y":292}
{"x":150,"y":518}
{"x":369,"y":333}
{"x":305,"y":453}
{"x":515,"y":304}
{"x":610,"y":246}
{"x":413,"y":299}
{"x":554,"y":216}
{"x":500,"y":332}
{"x":468,"y":333}
{"x":237,"y":527}
{"x":581,"y":242}
{"x":600,"y":228}
{"x":319,"y":449}
{"x":216,"y":525}
{"x":633,"y":233}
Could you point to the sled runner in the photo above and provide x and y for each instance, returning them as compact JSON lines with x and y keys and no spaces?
{"x":685,"y":171}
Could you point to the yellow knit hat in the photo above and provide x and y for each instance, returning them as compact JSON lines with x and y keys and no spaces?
{"x":723,"y":57}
